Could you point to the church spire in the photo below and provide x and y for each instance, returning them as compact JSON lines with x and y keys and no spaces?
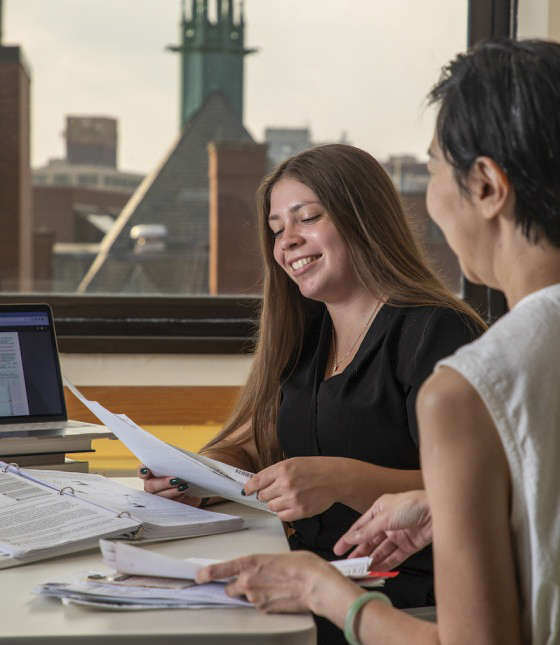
{"x":212,"y":53}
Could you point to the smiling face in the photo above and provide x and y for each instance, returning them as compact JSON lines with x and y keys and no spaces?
{"x":307,"y":244}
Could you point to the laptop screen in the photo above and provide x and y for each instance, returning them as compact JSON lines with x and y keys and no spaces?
{"x":30,"y":382}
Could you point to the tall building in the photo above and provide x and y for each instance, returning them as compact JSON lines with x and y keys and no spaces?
{"x":16,"y":215}
{"x":91,"y":140}
{"x":191,"y":226}
{"x":411,"y":178}
{"x":76,"y":201}
{"x":285,"y":142}
{"x":212,"y":53}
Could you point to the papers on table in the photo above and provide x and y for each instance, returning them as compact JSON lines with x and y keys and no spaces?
{"x":48,"y":513}
{"x":206,"y":477}
{"x":37,"y":522}
{"x":353,"y":567}
{"x":110,"y":590}
{"x":142,"y":579}
{"x":160,"y":517}
{"x":358,"y":569}
{"x":128,"y":559}
{"x":134,"y":560}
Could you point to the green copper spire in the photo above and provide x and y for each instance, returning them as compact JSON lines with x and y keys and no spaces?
{"x":212,"y":52}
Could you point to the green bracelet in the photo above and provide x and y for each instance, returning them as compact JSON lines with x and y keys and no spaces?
{"x":354,"y":609}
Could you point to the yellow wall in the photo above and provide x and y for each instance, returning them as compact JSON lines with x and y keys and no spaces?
{"x":111,"y":457}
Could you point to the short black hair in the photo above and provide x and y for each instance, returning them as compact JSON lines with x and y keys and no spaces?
{"x":501,"y":100}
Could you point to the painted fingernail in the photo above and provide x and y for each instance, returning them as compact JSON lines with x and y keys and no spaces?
{"x":243,"y":492}
{"x":182,"y":487}
{"x":174,"y":481}
{"x":144,"y":471}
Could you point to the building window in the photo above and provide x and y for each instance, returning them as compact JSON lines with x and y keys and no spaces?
{"x":87,"y":180}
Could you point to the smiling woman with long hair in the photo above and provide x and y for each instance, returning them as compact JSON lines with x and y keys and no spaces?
{"x":353,"y":321}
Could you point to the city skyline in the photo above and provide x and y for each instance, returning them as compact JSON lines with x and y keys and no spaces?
{"x":332,"y":67}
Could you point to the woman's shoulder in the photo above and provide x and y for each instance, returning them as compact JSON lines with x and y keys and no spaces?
{"x":434,"y":319}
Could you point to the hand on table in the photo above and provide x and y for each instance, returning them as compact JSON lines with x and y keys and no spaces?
{"x":286,"y":582}
{"x":394,"y":528}
{"x":169,"y":487}
{"x":296,"y":488}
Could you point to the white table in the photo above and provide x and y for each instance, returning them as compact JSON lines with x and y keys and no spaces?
{"x":26,"y":619}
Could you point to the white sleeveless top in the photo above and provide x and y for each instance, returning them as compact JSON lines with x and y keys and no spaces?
{"x":515,"y":369}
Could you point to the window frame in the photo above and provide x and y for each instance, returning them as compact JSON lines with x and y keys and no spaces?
{"x":150,"y":324}
{"x":209,"y":324}
{"x":489,"y":19}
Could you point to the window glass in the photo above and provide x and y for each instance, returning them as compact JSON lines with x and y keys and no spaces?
{"x":130,"y":103}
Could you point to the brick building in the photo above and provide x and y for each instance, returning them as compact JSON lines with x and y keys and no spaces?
{"x":16,"y":243}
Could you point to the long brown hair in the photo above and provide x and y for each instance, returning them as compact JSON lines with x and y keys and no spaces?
{"x":366,"y":209}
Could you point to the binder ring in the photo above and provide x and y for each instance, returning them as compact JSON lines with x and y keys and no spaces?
{"x":61,"y":491}
{"x":124,"y":513}
{"x":12,"y":463}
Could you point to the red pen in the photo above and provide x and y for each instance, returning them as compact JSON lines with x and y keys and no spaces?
{"x":382,"y":574}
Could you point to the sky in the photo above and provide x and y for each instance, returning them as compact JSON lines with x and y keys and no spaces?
{"x":358,"y":69}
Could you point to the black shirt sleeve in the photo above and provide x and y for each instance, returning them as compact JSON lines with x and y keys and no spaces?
{"x":427,"y":336}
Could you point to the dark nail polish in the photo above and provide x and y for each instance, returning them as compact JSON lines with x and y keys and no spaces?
{"x":182,"y":487}
{"x":174,"y":481}
{"x":144,"y":471}
{"x":243,"y":492}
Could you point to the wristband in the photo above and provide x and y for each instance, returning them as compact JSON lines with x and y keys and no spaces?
{"x":353,"y":611}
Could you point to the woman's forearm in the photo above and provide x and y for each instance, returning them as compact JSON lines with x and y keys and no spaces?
{"x":360,"y":483}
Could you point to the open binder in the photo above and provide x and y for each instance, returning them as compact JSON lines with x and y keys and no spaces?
{"x":47,"y":513}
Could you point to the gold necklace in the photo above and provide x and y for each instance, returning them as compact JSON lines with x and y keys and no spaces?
{"x":336,"y":362}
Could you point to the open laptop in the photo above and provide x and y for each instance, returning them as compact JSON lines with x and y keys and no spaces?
{"x":31,"y":392}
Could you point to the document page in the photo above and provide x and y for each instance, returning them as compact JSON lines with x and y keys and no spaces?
{"x":118,"y":591}
{"x":131,"y":559}
{"x":33,"y":518}
{"x":13,"y":394}
{"x":147,"y":508}
{"x":205,"y":476}
{"x":135,"y":560}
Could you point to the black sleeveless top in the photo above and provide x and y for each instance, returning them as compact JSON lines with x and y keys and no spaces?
{"x":367,"y":411}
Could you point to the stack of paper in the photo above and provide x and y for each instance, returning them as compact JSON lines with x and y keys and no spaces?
{"x":160,"y":517}
{"x":141,"y":579}
{"x":46,"y":513}
{"x":125,"y":592}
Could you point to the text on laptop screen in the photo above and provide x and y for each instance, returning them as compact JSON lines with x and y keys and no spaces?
{"x":29,"y":371}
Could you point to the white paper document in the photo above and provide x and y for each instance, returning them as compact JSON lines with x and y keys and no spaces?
{"x":129,"y":559}
{"x":160,"y":517}
{"x":35,"y":519}
{"x":110,"y":590}
{"x":126,"y":558}
{"x":45,"y":513}
{"x":353,"y":567}
{"x":205,"y":476}
{"x":143,"y":579}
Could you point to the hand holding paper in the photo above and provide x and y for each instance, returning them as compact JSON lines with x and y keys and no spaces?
{"x":205,"y":476}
